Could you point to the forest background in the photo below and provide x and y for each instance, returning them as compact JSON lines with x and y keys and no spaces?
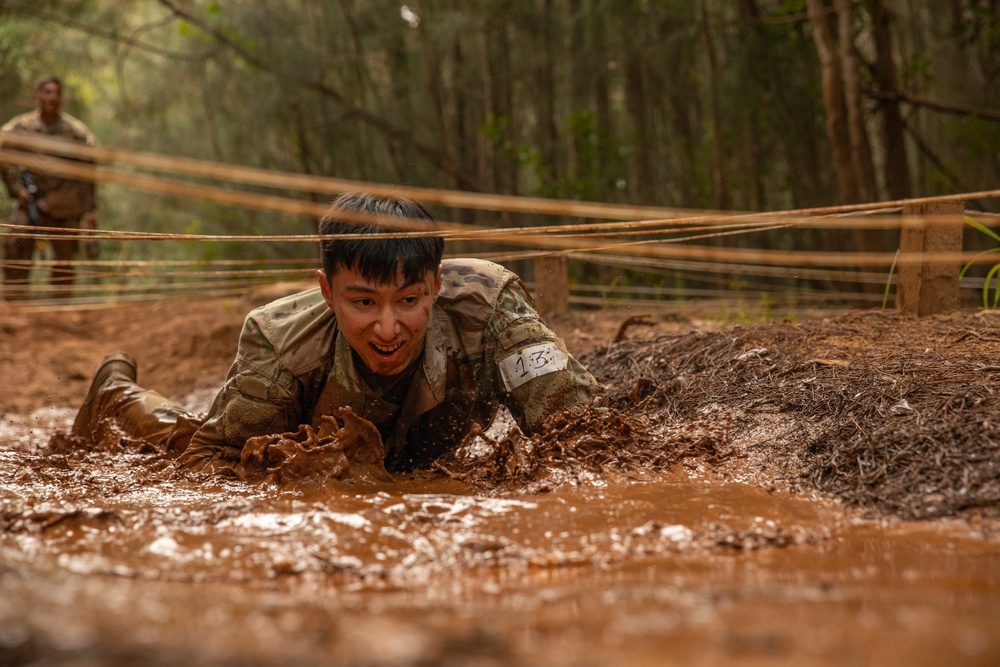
{"x":746,"y":105}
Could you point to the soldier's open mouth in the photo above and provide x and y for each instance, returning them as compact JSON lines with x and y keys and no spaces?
{"x":385,"y":350}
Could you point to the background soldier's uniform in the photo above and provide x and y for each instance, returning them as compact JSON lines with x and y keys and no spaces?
{"x":61,"y":202}
{"x":485,"y":345}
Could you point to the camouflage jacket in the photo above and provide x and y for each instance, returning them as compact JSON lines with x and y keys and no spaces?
{"x":485,"y":345}
{"x":58,"y":197}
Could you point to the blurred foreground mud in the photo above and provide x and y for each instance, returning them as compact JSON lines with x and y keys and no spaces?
{"x":822,"y":492}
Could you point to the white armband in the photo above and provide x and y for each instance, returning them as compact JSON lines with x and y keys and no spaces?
{"x":532,"y":362}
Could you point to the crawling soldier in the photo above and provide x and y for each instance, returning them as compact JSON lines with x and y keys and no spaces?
{"x":418,"y":347}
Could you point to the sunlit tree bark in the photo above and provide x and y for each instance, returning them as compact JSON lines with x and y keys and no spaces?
{"x":833,"y":101}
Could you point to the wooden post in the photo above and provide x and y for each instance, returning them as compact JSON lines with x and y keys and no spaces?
{"x":551,"y":286}
{"x":926,"y":288}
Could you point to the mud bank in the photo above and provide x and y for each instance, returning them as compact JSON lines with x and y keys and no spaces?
{"x":893,"y":414}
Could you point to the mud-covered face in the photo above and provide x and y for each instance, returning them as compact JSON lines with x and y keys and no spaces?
{"x":384,"y":323}
{"x":49,"y":98}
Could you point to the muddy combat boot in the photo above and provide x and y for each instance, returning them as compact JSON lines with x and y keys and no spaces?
{"x":119,"y":366}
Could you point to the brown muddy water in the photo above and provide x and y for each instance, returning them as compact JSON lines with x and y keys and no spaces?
{"x":115,"y":559}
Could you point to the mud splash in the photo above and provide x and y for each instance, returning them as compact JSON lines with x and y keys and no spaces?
{"x":617,"y":542}
{"x":345,"y":448}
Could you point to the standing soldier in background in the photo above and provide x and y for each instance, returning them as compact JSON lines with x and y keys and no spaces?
{"x":46,"y":200}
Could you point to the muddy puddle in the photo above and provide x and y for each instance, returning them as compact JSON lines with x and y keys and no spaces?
{"x":117,"y":559}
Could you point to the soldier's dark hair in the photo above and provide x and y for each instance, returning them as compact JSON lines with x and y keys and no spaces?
{"x":379,"y":259}
{"x":47,"y":79}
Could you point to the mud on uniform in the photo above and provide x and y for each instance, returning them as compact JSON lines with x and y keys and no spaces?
{"x":61,"y":201}
{"x":485,"y":345}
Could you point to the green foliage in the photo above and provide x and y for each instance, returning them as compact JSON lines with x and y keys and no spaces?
{"x":978,"y":136}
{"x":597,"y":170}
{"x":791,"y":8}
{"x":991,"y":283}
{"x":916,"y":72}
{"x":496,"y":130}
{"x":196,"y":249}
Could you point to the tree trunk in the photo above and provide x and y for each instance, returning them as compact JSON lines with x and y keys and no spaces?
{"x":464,"y":128}
{"x":865,"y":240}
{"x":833,"y":102}
{"x":897,"y":166}
{"x":861,"y":156}
{"x":837,"y":124}
{"x":719,"y":185}
{"x":635,"y":96}
{"x":601,"y":84}
{"x":807,"y":188}
{"x":547,"y":124}
{"x":435,"y":93}
{"x":364,"y":144}
{"x":500,"y":105}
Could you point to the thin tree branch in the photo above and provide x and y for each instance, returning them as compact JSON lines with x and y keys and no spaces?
{"x":943,"y":107}
{"x":928,"y":152}
{"x":111,"y":35}
{"x":385,"y":128}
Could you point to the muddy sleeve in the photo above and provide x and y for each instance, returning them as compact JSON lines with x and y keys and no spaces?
{"x":260,"y":397}
{"x":533,"y":369}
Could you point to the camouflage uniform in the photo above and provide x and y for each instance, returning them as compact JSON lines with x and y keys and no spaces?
{"x":485,"y":345}
{"x":61,"y":202}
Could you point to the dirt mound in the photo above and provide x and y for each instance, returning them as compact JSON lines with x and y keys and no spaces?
{"x":887,"y":412}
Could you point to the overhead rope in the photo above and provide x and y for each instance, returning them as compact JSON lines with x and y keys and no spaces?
{"x":660,"y":237}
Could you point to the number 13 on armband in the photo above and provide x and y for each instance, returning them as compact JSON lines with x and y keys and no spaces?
{"x":531,"y":362}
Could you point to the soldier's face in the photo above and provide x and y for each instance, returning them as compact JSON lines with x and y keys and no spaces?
{"x":384,"y":324}
{"x":48,"y":98}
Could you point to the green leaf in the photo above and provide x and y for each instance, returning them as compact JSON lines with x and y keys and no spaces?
{"x":888,"y":280}
{"x":982,"y":228}
{"x":973,"y":261}
{"x":991,"y":276}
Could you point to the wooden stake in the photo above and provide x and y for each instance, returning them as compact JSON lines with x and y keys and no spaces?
{"x":551,"y":286}
{"x":927,"y":288}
